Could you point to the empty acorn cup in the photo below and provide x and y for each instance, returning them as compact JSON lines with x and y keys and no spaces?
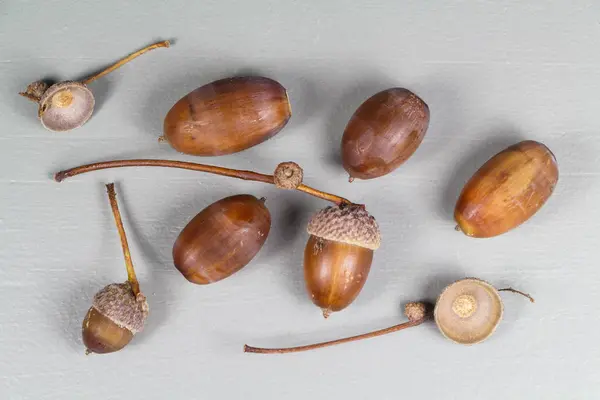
{"x":68,"y":105}
{"x":467,"y":312}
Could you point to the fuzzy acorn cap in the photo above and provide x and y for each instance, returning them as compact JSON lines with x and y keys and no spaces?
{"x":117,"y":302}
{"x":350,"y":223}
{"x":415,"y":311}
{"x":65,"y":106}
{"x":468,"y":311}
{"x":288,"y":175}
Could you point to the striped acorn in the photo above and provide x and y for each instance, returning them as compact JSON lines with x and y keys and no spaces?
{"x":338,"y":255}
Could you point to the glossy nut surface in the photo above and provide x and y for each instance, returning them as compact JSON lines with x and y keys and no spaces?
{"x":101,"y":335}
{"x":222,"y":239}
{"x":383,"y":133}
{"x":335,"y":272}
{"x":227,"y":116}
{"x":507,"y":190}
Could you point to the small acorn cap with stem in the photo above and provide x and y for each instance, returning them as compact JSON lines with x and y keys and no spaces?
{"x":65,"y":106}
{"x":468,"y":311}
{"x":68,"y":105}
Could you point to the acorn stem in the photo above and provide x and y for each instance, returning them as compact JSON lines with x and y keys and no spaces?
{"x":124,"y":61}
{"x":509,"y":289}
{"x":380,"y":332}
{"x":30,"y":96}
{"x":211,"y":169}
{"x":112,"y":197}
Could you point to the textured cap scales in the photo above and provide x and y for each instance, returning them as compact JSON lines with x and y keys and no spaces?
{"x":117,"y":302}
{"x":350,"y":224}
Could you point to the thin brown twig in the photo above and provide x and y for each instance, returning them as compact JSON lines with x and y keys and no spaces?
{"x":211,"y":169}
{"x":112,"y":197}
{"x":509,"y":289}
{"x":124,"y":61}
{"x":385,"y":331}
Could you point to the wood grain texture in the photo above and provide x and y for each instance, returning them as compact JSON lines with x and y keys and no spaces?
{"x":493,"y":73}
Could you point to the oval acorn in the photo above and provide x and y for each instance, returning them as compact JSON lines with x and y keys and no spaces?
{"x":338,"y":255}
{"x":119,"y":310}
{"x":68,"y":105}
{"x":227,"y":116}
{"x":383,"y":133}
{"x":507,"y":190}
{"x":222,"y":239}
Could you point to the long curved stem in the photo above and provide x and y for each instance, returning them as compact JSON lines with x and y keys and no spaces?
{"x":211,"y":169}
{"x":125,"y":60}
{"x":385,"y":331}
{"x":112,"y":197}
{"x":509,"y":289}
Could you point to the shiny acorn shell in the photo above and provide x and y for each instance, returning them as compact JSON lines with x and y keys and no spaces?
{"x":383,"y":133}
{"x":338,"y":255}
{"x":507,"y":190}
{"x":227,"y":116}
{"x":222,"y":239}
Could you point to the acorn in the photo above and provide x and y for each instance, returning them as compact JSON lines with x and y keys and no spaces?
{"x":383,"y":133}
{"x":68,"y":105}
{"x":338,"y":255}
{"x":227,"y":116}
{"x":222,"y":239}
{"x":119,"y":310}
{"x":115,"y":317}
{"x":507,"y":190}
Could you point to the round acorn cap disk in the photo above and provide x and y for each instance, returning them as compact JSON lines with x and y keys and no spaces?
{"x":65,"y":106}
{"x":468,"y":311}
{"x":118,"y":303}
{"x":350,"y":224}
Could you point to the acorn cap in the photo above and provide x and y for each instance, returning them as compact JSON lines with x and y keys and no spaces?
{"x":348,"y":223}
{"x":415,"y":311}
{"x":117,"y":302}
{"x":468,"y":311}
{"x":288,"y":175}
{"x":65,"y":106}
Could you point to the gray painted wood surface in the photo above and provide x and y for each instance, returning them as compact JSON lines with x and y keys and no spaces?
{"x":492,"y":73}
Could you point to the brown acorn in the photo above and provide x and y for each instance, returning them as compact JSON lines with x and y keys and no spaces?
{"x":119,"y":310}
{"x":383,"y":133}
{"x":222,"y":239}
{"x":227,"y":116}
{"x":114,"y":318}
{"x":338,"y":255}
{"x":507,"y":190}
